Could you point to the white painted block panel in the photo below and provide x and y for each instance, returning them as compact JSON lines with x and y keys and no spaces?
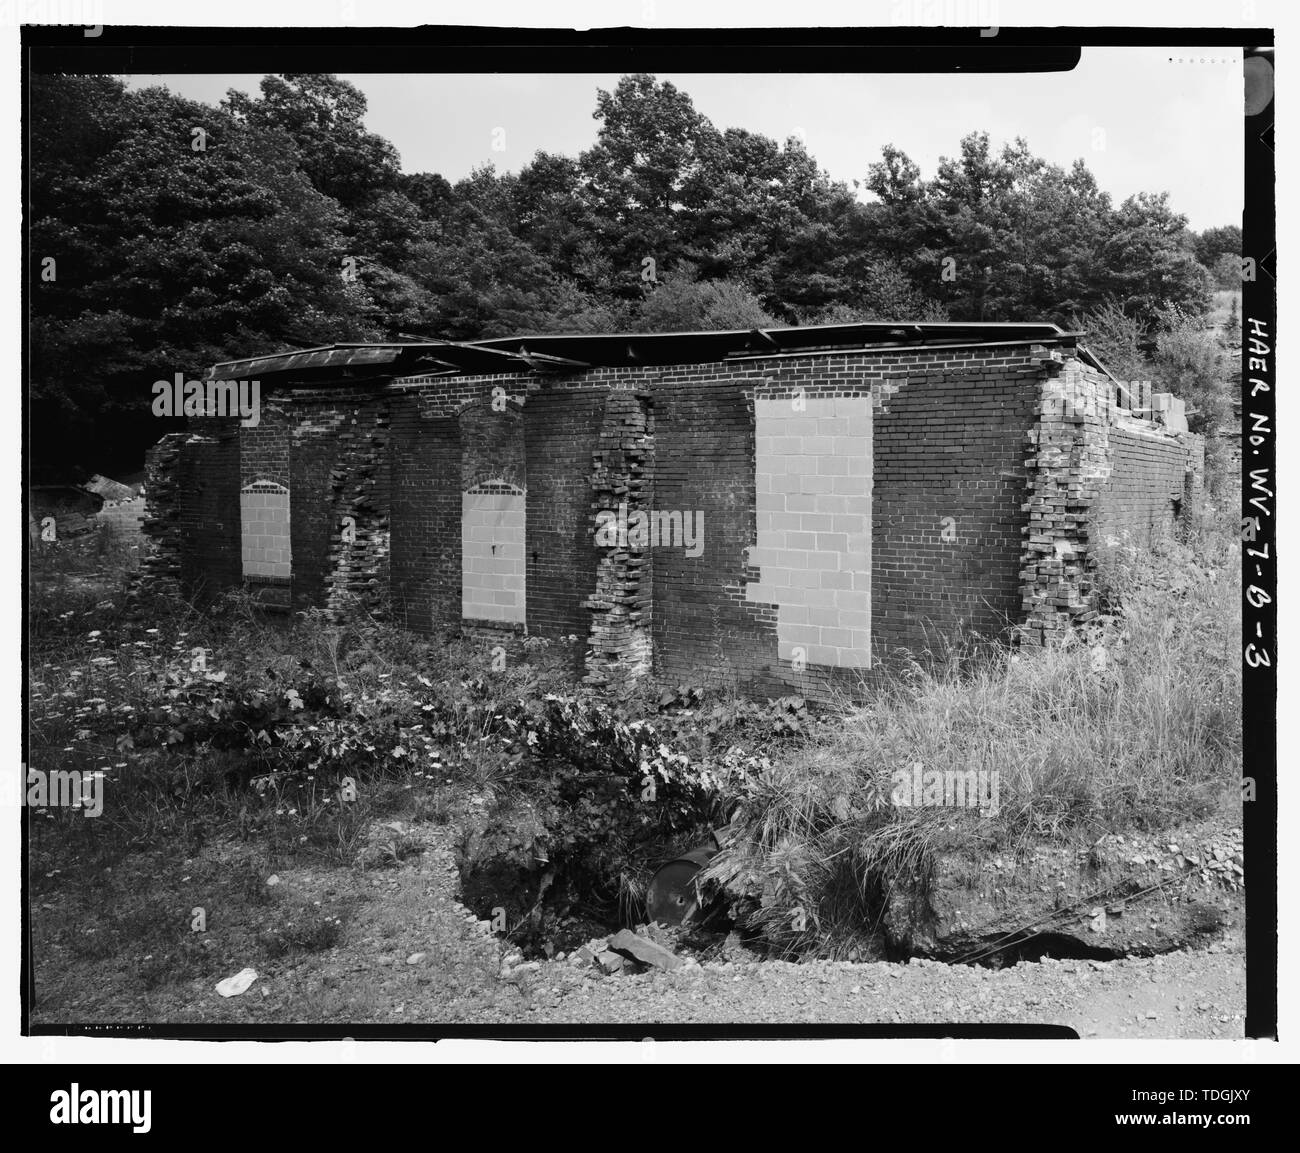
{"x":264,"y":529}
{"x":492,"y":556}
{"x":816,"y":534}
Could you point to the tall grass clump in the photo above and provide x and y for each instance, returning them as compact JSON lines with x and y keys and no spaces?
{"x":1131,"y":722}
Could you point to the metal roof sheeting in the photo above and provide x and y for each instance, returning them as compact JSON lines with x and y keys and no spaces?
{"x":576,"y":352}
{"x":634,"y":348}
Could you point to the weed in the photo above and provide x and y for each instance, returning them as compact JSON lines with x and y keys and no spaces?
{"x":1145,"y":735}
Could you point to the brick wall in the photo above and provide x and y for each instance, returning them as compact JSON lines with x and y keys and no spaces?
{"x":160,"y":567}
{"x":264,"y":447}
{"x":1096,"y":474}
{"x":492,"y":444}
{"x":1069,"y":460}
{"x":207,"y":496}
{"x":948,"y":485}
{"x":949,"y":501}
{"x":339,"y":493}
{"x":561,"y":431}
{"x":704,"y":628}
{"x":265,"y":504}
{"x":852,"y":504}
{"x":1148,"y":474}
{"x":425,"y":493}
{"x":448,"y":436}
{"x":625,"y":531}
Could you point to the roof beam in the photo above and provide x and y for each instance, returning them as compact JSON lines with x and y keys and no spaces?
{"x":546,"y":362}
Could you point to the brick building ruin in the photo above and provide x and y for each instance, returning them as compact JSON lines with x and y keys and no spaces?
{"x":779,"y":509}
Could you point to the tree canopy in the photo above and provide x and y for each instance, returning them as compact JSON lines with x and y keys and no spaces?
{"x":182,"y":234}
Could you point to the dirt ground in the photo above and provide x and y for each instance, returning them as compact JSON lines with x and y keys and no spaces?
{"x":392,"y":946}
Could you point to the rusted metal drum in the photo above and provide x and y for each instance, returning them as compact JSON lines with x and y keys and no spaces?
{"x":672,"y":898}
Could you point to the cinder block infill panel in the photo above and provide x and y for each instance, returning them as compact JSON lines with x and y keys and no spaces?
{"x":264,"y":519}
{"x":799,"y":440}
{"x":492,"y":549}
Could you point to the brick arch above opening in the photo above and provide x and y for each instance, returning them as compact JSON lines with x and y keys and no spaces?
{"x":492,"y":445}
{"x":497,"y":484}
{"x":514,"y":402}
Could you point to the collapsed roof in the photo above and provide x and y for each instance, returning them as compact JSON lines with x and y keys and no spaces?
{"x":576,"y":352}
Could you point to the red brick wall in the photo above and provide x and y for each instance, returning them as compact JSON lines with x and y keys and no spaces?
{"x":207,"y":493}
{"x":949,"y":431}
{"x":264,"y":447}
{"x":425,"y":516}
{"x":1096,"y":474}
{"x":1147,"y":477}
{"x":952,"y":432}
{"x":561,"y":431}
{"x":949,"y":438}
{"x":950,"y":447}
{"x":492,"y":444}
{"x":702,"y":628}
{"x":160,"y":565}
{"x":338,"y":467}
{"x":622,"y":485}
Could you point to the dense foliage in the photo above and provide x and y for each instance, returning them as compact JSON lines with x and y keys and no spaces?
{"x":221,"y":722}
{"x":184,"y":234}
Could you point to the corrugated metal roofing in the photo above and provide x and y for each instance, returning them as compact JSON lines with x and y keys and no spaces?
{"x":692,"y":347}
{"x":568,"y":352}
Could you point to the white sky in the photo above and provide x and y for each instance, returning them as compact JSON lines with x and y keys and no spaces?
{"x":1141,"y":121}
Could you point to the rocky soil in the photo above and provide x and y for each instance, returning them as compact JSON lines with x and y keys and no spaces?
{"x":412,"y":954}
{"x":1124,"y":894}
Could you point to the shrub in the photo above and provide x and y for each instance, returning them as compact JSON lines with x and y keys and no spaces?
{"x":1132,"y":723}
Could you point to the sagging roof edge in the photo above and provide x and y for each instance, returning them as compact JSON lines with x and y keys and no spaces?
{"x":1091,"y":358}
{"x":560,"y":352}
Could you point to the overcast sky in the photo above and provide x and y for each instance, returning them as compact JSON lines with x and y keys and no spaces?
{"x":1141,"y":121}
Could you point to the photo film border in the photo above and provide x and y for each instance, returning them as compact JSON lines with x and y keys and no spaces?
{"x":148,"y":50}
{"x":126,"y":49}
{"x":1259,"y":572}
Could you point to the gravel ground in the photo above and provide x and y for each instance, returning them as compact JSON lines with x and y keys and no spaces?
{"x":412,"y":954}
{"x":1181,"y":995}
{"x":1184,"y":994}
